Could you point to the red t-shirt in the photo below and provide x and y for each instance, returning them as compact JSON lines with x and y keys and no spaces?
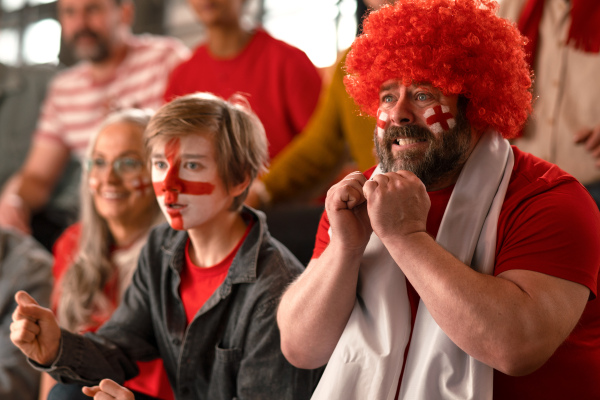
{"x":548,"y":224}
{"x":279,"y":81}
{"x":152,"y":379}
{"x":199,"y":283}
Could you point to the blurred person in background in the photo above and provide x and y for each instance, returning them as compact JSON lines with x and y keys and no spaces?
{"x":96,"y":257}
{"x":280,"y":82}
{"x":563,"y":51}
{"x":117,"y":70}
{"x":24,"y":265}
{"x":305,"y":168}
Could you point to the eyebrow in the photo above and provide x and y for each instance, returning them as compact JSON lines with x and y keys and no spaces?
{"x":388,"y":86}
{"x":186,"y":156}
{"x":123,"y":154}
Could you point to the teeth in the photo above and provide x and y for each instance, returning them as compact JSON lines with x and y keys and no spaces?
{"x":404,"y":142}
{"x":112,"y":195}
{"x":174,"y":205}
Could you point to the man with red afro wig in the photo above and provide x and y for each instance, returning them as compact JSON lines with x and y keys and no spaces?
{"x":459,"y":267}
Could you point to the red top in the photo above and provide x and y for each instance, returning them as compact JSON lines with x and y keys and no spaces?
{"x":152,"y":379}
{"x":279,"y":81}
{"x":549,"y":224}
{"x":199,"y":283}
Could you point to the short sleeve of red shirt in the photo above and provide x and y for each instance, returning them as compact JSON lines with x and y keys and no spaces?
{"x":549,"y":225}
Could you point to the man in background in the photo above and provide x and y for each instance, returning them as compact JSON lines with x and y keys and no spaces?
{"x":117,"y":70}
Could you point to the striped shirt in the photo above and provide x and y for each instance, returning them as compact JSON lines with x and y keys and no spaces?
{"x":77,"y":104}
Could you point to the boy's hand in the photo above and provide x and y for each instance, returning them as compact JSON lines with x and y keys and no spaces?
{"x":108,"y":390}
{"x":34,"y":330}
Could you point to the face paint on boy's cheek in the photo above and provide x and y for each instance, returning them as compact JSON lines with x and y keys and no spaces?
{"x":383,"y":120}
{"x":168,"y":185}
{"x":439,"y":119}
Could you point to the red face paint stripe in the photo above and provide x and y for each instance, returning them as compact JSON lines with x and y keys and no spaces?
{"x":172,"y":181}
{"x":183,"y":187}
{"x":441,"y":117}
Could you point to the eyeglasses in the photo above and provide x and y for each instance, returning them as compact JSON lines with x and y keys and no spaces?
{"x":122,"y":166}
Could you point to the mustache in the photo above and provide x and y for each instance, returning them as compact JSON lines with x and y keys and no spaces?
{"x":407,"y":132}
{"x":85,"y":32}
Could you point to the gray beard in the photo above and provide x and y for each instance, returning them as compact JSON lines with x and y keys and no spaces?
{"x":445,"y":155}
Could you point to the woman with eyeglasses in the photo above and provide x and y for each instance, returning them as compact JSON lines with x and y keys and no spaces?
{"x":96,"y":257}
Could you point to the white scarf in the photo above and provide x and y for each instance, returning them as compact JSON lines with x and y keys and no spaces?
{"x":367,"y":361}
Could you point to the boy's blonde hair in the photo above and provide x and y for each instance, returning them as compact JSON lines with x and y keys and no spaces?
{"x":238,"y":135}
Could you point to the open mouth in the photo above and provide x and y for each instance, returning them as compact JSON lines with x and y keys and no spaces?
{"x":408,"y":141}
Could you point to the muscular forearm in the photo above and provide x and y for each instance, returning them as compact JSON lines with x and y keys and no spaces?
{"x":315,"y":309}
{"x":510,"y":322}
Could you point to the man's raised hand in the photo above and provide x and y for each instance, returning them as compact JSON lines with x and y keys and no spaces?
{"x":347,"y":212}
{"x":398,"y":204}
{"x":34,"y":330}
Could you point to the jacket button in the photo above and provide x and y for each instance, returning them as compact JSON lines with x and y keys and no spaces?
{"x":176,"y":342}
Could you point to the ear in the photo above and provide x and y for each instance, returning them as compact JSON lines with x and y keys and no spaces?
{"x":127,"y":13}
{"x":238,"y":189}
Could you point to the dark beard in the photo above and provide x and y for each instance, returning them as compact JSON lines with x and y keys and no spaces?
{"x":445,"y":155}
{"x":98,"y":54}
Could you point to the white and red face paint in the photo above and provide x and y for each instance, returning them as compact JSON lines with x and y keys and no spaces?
{"x":186,"y":196}
{"x":439,"y":119}
{"x":140,"y":184}
{"x":383,"y":120}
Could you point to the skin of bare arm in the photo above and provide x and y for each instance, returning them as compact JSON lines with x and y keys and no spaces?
{"x":314,"y":310}
{"x":33,"y":184}
{"x":513,"y":322}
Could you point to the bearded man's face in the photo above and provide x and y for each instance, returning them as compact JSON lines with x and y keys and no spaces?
{"x":422,"y":131}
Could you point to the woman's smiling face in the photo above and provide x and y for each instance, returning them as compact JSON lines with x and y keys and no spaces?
{"x":118,"y":177}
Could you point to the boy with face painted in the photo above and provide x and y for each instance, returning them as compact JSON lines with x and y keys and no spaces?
{"x":207,"y":286}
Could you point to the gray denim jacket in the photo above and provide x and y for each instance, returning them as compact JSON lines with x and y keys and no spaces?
{"x":231,"y":349}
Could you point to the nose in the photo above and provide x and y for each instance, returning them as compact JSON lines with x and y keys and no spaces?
{"x":172,"y":182}
{"x":109,"y":174}
{"x":402,"y":112}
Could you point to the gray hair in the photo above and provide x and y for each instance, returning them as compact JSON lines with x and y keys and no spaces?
{"x":82,"y":287}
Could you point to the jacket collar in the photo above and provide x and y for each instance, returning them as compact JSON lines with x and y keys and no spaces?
{"x":244,"y":265}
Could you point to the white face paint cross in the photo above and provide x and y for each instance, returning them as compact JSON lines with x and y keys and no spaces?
{"x":383,"y":120}
{"x":439,"y":119}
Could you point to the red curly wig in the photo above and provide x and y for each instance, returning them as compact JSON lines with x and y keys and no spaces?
{"x":458,"y":46}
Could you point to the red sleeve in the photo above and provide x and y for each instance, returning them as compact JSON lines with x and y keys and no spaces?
{"x":555,"y":232}
{"x":322,"y":238}
{"x":172,"y":90}
{"x":64,"y":251}
{"x":301,"y":94}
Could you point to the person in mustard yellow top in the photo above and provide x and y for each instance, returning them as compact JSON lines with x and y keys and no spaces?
{"x":313,"y":157}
